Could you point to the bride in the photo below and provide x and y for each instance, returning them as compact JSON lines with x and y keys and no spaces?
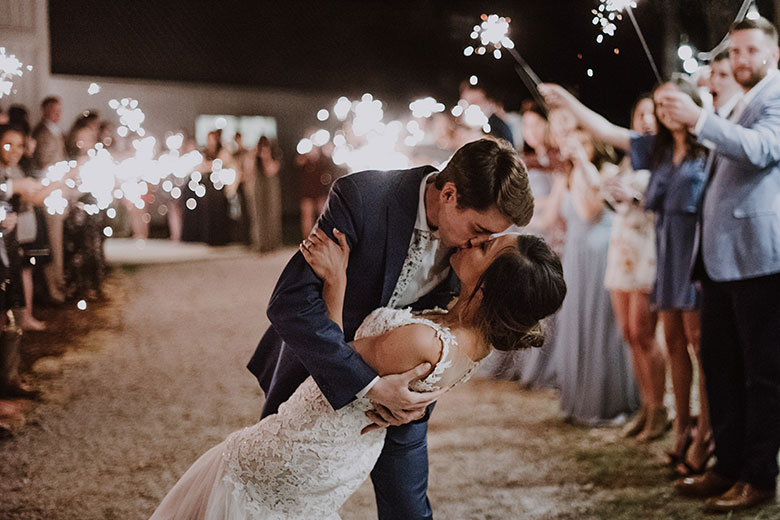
{"x":307,"y":459}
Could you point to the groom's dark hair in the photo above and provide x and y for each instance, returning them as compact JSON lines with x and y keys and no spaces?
{"x":490,"y":172}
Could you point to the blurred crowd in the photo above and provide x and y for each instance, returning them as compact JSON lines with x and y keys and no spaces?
{"x":683,"y":231}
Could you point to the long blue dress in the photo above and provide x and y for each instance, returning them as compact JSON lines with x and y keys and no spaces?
{"x":673,"y":194}
{"x":594,"y":369}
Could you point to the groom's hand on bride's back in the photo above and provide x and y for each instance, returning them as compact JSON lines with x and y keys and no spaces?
{"x":394,"y":403}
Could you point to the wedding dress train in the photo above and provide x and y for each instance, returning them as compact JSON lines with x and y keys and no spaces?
{"x":306,"y":460}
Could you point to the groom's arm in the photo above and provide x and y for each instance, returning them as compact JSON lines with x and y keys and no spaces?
{"x":300,"y":317}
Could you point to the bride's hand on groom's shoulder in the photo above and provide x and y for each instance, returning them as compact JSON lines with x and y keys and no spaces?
{"x":327,"y":258}
{"x":394,"y":403}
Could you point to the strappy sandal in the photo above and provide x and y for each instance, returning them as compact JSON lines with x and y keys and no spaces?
{"x":687,"y":469}
{"x":673,"y":458}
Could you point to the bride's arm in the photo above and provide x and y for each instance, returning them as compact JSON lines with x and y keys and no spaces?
{"x":329,"y":261}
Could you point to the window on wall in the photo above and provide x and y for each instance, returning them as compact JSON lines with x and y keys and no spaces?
{"x":250,"y":128}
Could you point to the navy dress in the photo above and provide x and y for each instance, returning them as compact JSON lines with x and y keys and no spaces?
{"x":673,"y":194}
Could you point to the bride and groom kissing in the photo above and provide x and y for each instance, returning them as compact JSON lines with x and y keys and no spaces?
{"x":360,"y":347}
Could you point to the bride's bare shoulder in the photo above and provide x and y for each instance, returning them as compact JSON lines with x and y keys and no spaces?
{"x":403,"y":348}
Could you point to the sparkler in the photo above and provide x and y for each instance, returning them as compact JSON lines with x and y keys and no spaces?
{"x":10,"y":68}
{"x":744,"y":10}
{"x":492,"y":33}
{"x":610,"y":11}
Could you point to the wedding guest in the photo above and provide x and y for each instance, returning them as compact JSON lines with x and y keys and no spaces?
{"x":316,"y":172}
{"x":216,"y":224}
{"x":50,"y":149}
{"x":631,"y":267}
{"x":739,"y":268}
{"x":242,"y":205}
{"x":593,"y":366}
{"x":676,"y":162}
{"x":535,"y":368}
{"x":262,"y":168}
{"x":11,"y":292}
{"x":491,"y":106}
{"x":82,"y":236}
{"x":27,"y":245}
{"x":723,"y":87}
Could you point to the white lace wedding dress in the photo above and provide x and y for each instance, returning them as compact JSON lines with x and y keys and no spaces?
{"x":307,"y":459}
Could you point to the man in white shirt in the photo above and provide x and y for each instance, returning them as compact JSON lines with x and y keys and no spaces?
{"x":724,"y":88}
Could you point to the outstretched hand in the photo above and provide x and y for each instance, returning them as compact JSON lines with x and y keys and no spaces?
{"x":555,"y":95}
{"x":678,"y":106}
{"x":394,"y":403}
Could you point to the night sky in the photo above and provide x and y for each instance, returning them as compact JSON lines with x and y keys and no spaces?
{"x":398,"y":50}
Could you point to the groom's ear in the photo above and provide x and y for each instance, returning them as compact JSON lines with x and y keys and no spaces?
{"x":449,"y":193}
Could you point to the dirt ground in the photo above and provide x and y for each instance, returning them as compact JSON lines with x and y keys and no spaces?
{"x":135,"y":389}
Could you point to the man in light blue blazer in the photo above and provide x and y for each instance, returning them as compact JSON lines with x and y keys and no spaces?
{"x":738,"y":263}
{"x":396,"y":222}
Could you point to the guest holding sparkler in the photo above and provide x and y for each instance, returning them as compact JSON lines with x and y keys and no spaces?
{"x":83,"y":228}
{"x":676,"y":162}
{"x":29,"y":242}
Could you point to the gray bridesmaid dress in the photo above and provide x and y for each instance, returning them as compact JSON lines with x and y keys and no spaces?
{"x":593,"y":365}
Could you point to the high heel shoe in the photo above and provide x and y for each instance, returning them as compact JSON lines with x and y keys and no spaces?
{"x":673,"y":458}
{"x":657,"y":424}
{"x":635,"y":425}
{"x":686,"y":468}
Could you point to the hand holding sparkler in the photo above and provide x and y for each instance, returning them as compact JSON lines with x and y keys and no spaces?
{"x":678,"y":106}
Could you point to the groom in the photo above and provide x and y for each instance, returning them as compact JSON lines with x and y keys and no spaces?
{"x":401,"y":227}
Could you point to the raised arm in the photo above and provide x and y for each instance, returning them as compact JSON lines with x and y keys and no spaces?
{"x":329,"y":260}
{"x":758,"y":145}
{"x":300,"y":316}
{"x":557,"y":96}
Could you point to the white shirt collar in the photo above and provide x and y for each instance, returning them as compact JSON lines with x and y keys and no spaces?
{"x":726,"y":108}
{"x":53,"y":128}
{"x":421,"y":222}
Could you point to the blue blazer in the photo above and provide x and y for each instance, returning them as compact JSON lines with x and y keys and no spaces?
{"x":376,"y":210}
{"x":739,"y":226}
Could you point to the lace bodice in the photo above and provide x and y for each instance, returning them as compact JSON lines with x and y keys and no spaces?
{"x":306,"y":460}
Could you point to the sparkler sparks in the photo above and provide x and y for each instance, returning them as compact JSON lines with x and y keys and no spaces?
{"x":607,"y":13}
{"x":491,"y":33}
{"x":10,"y":68}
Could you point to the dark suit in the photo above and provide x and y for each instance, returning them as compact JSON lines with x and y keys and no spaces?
{"x":739,"y":266}
{"x":376,"y":211}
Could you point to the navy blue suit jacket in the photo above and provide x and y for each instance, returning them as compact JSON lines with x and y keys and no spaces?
{"x":376,"y":210}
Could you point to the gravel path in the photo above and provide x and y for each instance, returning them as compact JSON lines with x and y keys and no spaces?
{"x":161,"y":378}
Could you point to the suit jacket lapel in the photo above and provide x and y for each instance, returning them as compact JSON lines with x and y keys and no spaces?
{"x":401,"y":215}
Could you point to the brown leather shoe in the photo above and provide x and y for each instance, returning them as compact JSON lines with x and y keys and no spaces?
{"x":708,"y":484}
{"x":742,"y":495}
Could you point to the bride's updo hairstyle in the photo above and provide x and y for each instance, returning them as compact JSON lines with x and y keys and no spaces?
{"x":521,"y":286}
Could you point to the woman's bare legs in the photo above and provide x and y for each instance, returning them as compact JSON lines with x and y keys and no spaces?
{"x":701,"y":448}
{"x":682,"y":376}
{"x":638,"y":321}
{"x":28,"y":320}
